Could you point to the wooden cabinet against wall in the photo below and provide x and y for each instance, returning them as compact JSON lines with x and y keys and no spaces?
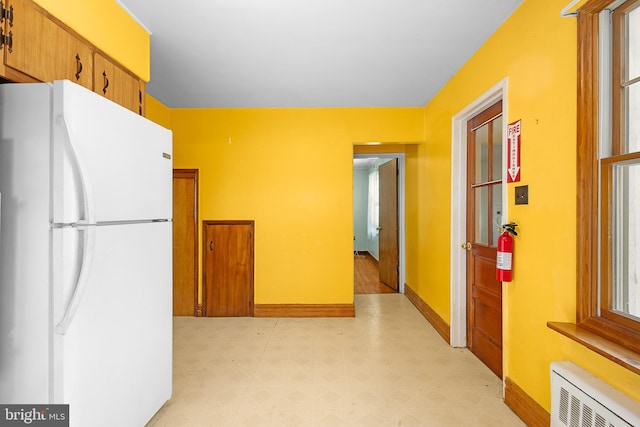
{"x":38,"y":47}
{"x":116,"y":84}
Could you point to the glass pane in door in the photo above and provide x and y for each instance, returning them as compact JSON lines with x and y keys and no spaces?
{"x":482,"y":210}
{"x":633,"y":111}
{"x":496,"y":145}
{"x":633,"y":43}
{"x":482,"y":154}
{"x":496,"y":213}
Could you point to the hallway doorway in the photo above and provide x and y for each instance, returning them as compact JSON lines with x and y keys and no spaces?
{"x":367,"y":238}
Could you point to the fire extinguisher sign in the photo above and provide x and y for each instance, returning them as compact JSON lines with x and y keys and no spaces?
{"x":513,"y":157}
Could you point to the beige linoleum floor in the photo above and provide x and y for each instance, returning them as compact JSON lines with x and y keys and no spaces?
{"x":385,"y":367}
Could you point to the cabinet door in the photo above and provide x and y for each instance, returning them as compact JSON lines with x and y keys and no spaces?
{"x":43,"y":50}
{"x":74,"y":60}
{"x":114,"y":83}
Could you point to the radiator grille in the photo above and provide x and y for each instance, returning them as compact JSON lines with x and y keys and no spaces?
{"x":579,"y":399}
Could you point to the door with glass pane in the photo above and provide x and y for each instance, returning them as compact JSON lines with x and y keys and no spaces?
{"x":484,"y":206}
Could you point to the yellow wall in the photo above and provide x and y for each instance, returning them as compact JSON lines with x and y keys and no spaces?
{"x":536,"y":50}
{"x":126,"y":41}
{"x":291,"y":171}
{"x":157,"y":112}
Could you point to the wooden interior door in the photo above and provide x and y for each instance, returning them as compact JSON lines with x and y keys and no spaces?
{"x":185,"y":242}
{"x":484,"y":206}
{"x":388,"y":238}
{"x":228,"y":268}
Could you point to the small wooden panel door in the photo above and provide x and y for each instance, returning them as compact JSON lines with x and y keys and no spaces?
{"x":114,"y":83}
{"x":388,"y":238}
{"x":484,"y":205}
{"x":228,"y":268}
{"x":185,"y":242}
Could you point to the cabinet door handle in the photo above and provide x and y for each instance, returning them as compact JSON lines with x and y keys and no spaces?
{"x":78,"y":66}
{"x":210,"y":245}
{"x":106,"y":82}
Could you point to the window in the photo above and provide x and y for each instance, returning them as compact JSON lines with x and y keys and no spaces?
{"x":373,"y":203}
{"x":608,"y":222}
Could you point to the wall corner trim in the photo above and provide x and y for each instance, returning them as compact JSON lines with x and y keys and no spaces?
{"x":432,"y":317}
{"x":524,"y":406}
{"x":304,"y":310}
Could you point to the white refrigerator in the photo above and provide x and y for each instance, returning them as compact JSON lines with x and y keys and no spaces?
{"x":85,"y":255}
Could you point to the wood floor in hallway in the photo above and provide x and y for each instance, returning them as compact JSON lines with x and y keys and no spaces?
{"x":367,"y":276}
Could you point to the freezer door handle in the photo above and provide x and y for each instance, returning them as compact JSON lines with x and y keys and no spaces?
{"x":80,"y":173}
{"x":83,"y":278}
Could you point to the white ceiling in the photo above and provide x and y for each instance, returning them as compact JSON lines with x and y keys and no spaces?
{"x":310,"y":53}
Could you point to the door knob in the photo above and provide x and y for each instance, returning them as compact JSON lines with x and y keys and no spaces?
{"x":466,"y":246}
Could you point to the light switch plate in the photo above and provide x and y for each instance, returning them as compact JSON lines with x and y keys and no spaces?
{"x":522,"y":195}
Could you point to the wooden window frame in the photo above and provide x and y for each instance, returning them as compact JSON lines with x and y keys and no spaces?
{"x":606,"y":248}
{"x":614,"y":337}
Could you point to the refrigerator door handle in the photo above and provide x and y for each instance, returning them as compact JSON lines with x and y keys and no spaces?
{"x":83,"y":278}
{"x":81,"y":174}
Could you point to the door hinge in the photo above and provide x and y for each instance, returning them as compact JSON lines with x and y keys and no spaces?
{"x":6,"y":14}
{"x":6,"y":39}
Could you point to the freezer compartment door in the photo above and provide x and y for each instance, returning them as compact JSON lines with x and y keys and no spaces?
{"x":116,"y":351}
{"x":109,"y":164}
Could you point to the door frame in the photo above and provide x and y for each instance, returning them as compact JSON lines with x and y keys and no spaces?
{"x":193,"y":174}
{"x":458,"y":256}
{"x":402,"y":277}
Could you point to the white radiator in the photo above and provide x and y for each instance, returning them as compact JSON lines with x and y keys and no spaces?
{"x":579,"y":399}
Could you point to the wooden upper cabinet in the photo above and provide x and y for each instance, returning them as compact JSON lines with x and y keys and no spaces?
{"x":117,"y":84}
{"x":74,"y":61}
{"x":38,"y":47}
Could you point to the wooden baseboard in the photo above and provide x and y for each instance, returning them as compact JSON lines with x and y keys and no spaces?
{"x":432,"y":317}
{"x":524,"y":406}
{"x":304,"y":310}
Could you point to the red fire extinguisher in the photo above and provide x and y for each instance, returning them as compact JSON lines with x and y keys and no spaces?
{"x":504,"y":260}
